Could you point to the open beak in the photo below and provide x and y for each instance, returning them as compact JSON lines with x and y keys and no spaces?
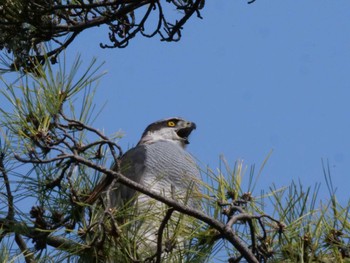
{"x":185,"y":132}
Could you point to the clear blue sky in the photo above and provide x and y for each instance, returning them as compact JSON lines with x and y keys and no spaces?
{"x":273,"y":75}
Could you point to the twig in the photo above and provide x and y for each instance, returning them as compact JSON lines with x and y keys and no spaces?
{"x":28,"y":256}
{"x":91,"y":129}
{"x":177,"y":27}
{"x":41,"y":161}
{"x":21,"y":228}
{"x":160,"y":233}
{"x":10,"y":210}
{"x":57,"y":181}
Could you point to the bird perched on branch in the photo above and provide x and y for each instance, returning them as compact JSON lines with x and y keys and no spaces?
{"x":161,"y":163}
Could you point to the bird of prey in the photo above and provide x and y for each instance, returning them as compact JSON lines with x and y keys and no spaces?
{"x":161,"y":163}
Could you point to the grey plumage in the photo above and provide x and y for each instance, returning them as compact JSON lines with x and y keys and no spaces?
{"x":162,"y":166}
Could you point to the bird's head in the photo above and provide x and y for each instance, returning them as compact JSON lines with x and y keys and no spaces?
{"x":172,"y":129}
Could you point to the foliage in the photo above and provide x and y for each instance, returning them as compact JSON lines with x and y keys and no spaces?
{"x":26,"y":26}
{"x":51,"y":159}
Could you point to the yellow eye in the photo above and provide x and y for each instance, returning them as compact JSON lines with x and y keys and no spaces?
{"x":171,"y":123}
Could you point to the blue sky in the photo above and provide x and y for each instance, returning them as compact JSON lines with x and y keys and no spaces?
{"x":273,"y":75}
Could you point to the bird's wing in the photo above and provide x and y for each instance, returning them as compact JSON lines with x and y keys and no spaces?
{"x":132,"y":165}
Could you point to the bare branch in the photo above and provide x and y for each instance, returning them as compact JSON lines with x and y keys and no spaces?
{"x":10,"y":210}
{"x":28,"y":256}
{"x":81,"y":125}
{"x":20,"y":228}
{"x":176,"y":29}
{"x":160,"y":233}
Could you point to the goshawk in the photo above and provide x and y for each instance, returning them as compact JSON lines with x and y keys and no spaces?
{"x":161,"y":163}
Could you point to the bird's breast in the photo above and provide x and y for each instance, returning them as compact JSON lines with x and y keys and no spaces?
{"x":169,"y":165}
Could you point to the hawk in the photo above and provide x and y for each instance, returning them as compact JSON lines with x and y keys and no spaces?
{"x":161,"y":163}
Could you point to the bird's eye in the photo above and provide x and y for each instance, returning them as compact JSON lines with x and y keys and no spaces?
{"x":171,"y":123}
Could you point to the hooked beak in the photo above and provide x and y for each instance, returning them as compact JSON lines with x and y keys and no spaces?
{"x":186,"y":130}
